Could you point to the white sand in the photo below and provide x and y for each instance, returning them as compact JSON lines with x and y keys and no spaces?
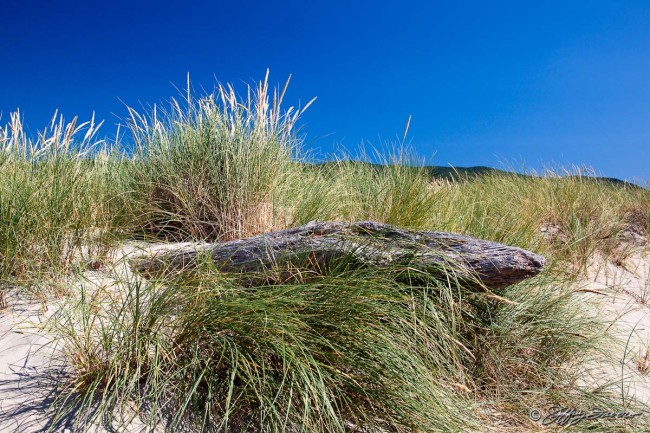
{"x":31,"y":361}
{"x":620,"y":296}
{"x":26,"y":370}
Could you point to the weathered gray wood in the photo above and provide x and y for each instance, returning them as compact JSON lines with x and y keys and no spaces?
{"x":367,"y":243}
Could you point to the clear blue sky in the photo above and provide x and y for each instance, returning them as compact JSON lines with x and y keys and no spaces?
{"x":564,"y":82}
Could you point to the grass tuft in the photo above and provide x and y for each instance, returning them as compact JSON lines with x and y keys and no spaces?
{"x":212,"y":168}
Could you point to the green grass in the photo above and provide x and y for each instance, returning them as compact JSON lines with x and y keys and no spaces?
{"x":352,"y":348}
{"x":379,"y":351}
{"x":58,"y":198}
{"x":213,"y":168}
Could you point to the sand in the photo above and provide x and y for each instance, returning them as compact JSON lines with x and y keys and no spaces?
{"x":27,"y":369}
{"x":620,"y":295}
{"x":31,"y":364}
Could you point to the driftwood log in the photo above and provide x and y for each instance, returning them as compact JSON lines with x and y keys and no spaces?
{"x":367,"y":243}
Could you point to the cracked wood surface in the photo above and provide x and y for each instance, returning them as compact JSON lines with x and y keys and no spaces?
{"x":366,"y":243}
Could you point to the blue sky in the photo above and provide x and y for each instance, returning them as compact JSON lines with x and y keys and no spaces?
{"x":530,"y":83}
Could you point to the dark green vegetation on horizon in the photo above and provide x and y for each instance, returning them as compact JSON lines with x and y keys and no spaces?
{"x":438,"y":172}
{"x":337,"y":352}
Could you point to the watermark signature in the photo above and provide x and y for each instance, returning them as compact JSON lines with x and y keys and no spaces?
{"x":564,"y":416}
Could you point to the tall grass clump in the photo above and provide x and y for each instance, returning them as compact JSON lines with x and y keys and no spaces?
{"x":56,"y":196}
{"x":394,"y":188}
{"x":352,"y":350}
{"x":213,"y":167}
{"x":539,"y":350}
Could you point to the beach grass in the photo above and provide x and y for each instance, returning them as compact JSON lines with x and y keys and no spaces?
{"x":59,"y":195}
{"x":338,"y":352}
{"x":353,"y":349}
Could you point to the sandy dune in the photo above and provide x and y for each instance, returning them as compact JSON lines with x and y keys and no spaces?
{"x":28,"y":375}
{"x":27,"y":370}
{"x":620,"y":295}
